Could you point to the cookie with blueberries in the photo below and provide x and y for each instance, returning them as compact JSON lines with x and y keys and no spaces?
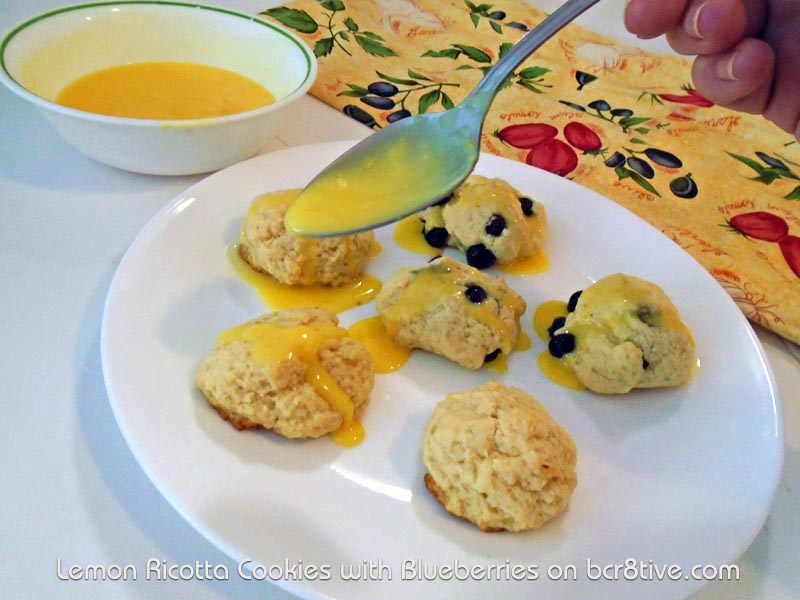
{"x":623,"y":332}
{"x":451,"y":309}
{"x":488,"y":220}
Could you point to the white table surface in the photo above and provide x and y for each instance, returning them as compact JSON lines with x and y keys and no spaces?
{"x":71,"y":489}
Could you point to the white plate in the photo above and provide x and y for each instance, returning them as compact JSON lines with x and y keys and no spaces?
{"x":668,"y":479}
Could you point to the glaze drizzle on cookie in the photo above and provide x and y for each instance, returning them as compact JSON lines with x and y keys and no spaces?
{"x":273,"y":343}
{"x":439,"y":280}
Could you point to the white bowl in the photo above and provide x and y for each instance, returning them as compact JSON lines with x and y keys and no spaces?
{"x":40,"y":56}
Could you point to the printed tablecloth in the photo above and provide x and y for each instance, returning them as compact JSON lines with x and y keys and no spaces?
{"x":608,"y":115}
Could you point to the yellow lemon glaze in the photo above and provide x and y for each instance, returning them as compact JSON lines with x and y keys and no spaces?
{"x":616,"y":298}
{"x":349,"y":435}
{"x":553,"y":368}
{"x":279,"y":296}
{"x":408,"y":235}
{"x":433,"y":283}
{"x":527,"y":265}
{"x":358,"y":199}
{"x":544,"y":315}
{"x":273,"y":343}
{"x":387,"y":355}
{"x":164,"y":90}
{"x":556,"y":371}
{"x":500,"y":364}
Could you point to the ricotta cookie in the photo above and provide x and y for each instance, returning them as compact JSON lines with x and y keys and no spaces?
{"x":266,"y":245}
{"x":451,"y":309}
{"x":488,"y":220}
{"x":623,"y":333}
{"x":497,"y":458}
{"x":295,"y":372}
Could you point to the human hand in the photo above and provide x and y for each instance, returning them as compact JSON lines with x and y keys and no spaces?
{"x":748,"y":51}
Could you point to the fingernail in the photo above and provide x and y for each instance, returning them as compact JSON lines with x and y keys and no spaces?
{"x":724,"y":67}
{"x":692,"y":20}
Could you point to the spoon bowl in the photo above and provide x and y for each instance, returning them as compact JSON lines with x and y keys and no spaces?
{"x":415,"y":162}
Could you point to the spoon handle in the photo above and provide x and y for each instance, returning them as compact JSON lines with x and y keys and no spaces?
{"x":482,"y":95}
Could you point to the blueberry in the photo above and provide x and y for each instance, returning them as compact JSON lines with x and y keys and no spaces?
{"x":382,"y":88}
{"x":561,"y":344}
{"x":645,"y":363}
{"x":600,"y":105}
{"x":497,"y":15}
{"x":496,"y":225}
{"x":664,"y":158}
{"x":480,"y":257}
{"x":558,"y":323}
{"x":359,"y":114}
{"x":378,"y":102}
{"x":645,"y":314}
{"x":527,"y":206}
{"x":642,"y":167}
{"x":573,"y":300}
{"x":683,"y":187}
{"x":615,"y":160}
{"x":437,"y":237}
{"x":517,"y":25}
{"x":476,"y":294}
{"x":443,"y":201}
{"x":398,"y":115}
{"x":492,"y":355}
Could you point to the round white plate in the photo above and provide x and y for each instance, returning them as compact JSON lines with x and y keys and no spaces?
{"x":673,"y":484}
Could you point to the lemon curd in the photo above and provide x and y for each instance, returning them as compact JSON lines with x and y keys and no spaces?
{"x":553,"y":368}
{"x":278,"y":296}
{"x":164,"y":91}
{"x":367,"y":194}
{"x":387,"y":355}
{"x":435,"y":282}
{"x":274,"y":343}
{"x":499,"y":365}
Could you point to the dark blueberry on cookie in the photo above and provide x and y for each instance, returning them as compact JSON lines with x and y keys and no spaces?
{"x":561,"y":344}
{"x":476,"y":294}
{"x":496,"y":225}
{"x":645,"y":314}
{"x":557,"y":324}
{"x":437,"y":237}
{"x":443,"y":201}
{"x":573,"y":300}
{"x":492,"y":355}
{"x":480,"y":257}
{"x":527,"y":206}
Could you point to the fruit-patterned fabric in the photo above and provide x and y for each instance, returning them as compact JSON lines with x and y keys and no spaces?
{"x":609,"y":116}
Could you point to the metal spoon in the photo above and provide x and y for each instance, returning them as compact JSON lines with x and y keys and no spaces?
{"x":413,"y":163}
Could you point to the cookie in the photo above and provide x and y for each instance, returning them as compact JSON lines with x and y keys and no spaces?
{"x":497,"y":458}
{"x":294,"y":372}
{"x":451,"y":309}
{"x":625,"y":333}
{"x":488,"y":220}
{"x":266,"y":245}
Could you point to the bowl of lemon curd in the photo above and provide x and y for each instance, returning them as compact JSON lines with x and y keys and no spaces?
{"x":157,"y":87}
